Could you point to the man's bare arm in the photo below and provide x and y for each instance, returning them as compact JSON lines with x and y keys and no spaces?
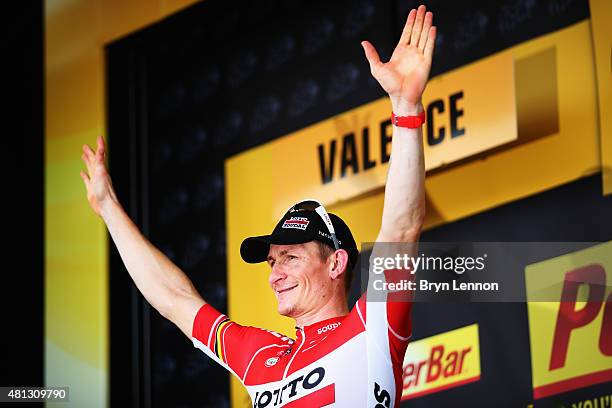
{"x":162,"y":283}
{"x":404,"y":78}
{"x":404,"y":205}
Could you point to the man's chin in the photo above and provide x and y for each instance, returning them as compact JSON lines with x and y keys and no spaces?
{"x":286,"y":310}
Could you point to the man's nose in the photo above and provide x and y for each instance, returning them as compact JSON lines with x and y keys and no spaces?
{"x":276,"y":274}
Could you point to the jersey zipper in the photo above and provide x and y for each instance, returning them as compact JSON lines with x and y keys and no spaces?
{"x":296,"y":353}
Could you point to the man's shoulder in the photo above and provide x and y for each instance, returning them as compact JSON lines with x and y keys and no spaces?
{"x":270,"y":334}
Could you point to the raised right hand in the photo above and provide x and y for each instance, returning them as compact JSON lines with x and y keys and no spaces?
{"x":97,"y":181}
{"x":405,"y":75}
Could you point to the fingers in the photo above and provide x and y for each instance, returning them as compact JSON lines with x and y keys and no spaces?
{"x":418,"y":26}
{"x":85,"y":179}
{"x":88,"y":152}
{"x":405,"y":37}
{"x":431,"y":41}
{"x":425,"y":31}
{"x":371,"y":54}
{"x":87,"y":163}
{"x":90,"y":158}
{"x":101,"y":148}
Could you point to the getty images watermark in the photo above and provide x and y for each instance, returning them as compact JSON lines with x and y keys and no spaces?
{"x":470,"y":271}
{"x":412,"y":264}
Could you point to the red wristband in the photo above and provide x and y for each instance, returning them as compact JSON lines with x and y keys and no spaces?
{"x":411,"y":122}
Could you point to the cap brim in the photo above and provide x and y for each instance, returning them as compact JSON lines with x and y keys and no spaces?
{"x":255,"y":249}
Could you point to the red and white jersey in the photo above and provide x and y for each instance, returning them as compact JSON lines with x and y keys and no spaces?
{"x":348,"y":361}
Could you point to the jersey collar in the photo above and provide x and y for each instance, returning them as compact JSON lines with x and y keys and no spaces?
{"x":319,"y":329}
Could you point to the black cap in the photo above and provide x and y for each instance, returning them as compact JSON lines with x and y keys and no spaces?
{"x":299,"y":227}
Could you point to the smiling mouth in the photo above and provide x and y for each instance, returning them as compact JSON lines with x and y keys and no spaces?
{"x":278,"y":292}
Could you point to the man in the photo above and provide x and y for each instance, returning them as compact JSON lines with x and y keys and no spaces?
{"x":340,"y":358}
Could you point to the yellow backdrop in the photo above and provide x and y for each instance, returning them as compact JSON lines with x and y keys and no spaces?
{"x":76,"y":265}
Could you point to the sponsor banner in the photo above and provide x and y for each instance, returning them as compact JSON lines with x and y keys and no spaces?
{"x":571,"y":340}
{"x":442,"y":361}
{"x":469,"y":110}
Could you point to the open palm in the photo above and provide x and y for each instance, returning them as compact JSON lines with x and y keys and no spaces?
{"x":97,"y":180}
{"x":405,"y":76}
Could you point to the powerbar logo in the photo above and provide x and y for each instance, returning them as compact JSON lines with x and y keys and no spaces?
{"x":571,"y":340}
{"x":442,"y":361}
{"x":299,"y":392}
{"x":296,"y":223}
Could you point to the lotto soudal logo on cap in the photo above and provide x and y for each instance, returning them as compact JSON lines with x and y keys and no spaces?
{"x":296,"y":223}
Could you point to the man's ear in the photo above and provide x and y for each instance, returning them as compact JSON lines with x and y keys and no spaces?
{"x":339,"y":263}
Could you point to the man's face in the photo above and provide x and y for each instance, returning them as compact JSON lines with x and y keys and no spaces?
{"x":299,"y":277}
